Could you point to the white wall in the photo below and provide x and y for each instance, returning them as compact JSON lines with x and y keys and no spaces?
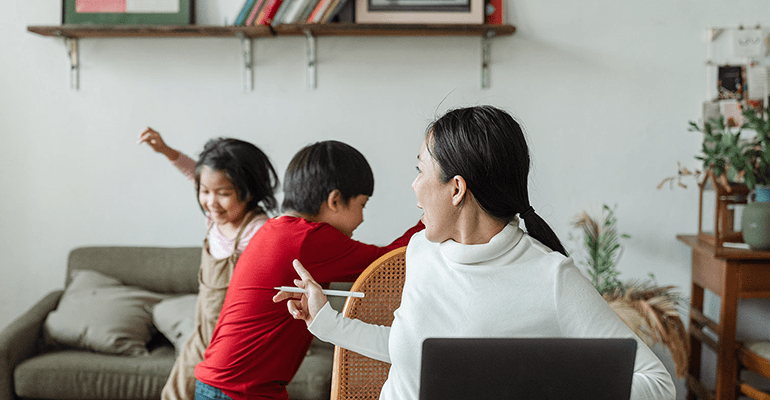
{"x":604,"y":89}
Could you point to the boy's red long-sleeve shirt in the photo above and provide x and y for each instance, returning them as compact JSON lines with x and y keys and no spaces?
{"x":257,"y":346}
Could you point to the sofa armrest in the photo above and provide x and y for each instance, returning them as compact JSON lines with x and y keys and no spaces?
{"x":19,"y":340}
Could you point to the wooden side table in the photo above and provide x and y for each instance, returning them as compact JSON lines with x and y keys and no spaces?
{"x":731,"y":274}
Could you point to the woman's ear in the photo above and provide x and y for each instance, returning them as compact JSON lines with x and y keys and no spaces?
{"x":334,"y":200}
{"x":459,"y":190}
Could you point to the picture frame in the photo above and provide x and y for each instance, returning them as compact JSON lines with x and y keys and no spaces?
{"x":731,"y":82}
{"x":128,"y":12}
{"x":419,"y":11}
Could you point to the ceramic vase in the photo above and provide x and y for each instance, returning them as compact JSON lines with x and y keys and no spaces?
{"x":756,"y":219}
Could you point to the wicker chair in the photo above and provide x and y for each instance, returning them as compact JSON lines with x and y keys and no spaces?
{"x":755,"y":357}
{"x":356,"y":377}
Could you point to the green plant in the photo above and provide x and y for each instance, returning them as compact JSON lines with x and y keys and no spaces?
{"x":730,"y":157}
{"x":648,"y":309}
{"x":602,"y":243}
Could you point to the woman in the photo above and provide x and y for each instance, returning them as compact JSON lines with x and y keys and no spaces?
{"x":474,"y":272}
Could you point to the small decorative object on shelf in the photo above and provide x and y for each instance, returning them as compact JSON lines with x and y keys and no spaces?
{"x":128,"y":12}
{"x":650,"y":310}
{"x":494,"y":12}
{"x":728,"y":195}
{"x":420,"y":11}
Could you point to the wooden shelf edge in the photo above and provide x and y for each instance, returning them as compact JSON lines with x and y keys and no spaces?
{"x":350,"y":29}
{"x":728,"y":253}
{"x":109,"y":31}
{"x":334,"y":29}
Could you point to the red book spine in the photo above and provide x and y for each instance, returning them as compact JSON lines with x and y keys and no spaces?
{"x":270,"y":9}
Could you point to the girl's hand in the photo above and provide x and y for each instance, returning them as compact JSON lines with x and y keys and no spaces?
{"x":155,"y":141}
{"x":304,"y":306}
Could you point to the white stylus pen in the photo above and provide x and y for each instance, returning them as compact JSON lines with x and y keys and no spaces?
{"x":328,"y":292}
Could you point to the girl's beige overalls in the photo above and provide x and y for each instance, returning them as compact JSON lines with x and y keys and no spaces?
{"x":213,"y":279}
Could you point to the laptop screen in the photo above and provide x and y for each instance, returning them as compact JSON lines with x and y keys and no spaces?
{"x":536,"y":368}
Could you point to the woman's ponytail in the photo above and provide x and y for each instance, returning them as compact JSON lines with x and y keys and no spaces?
{"x":539,"y":229}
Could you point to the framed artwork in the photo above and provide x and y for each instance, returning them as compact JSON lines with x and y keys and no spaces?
{"x":731,"y":82}
{"x":420,"y":11}
{"x":128,"y":12}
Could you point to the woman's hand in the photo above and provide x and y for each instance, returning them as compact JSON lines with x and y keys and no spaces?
{"x":304,"y":306}
{"x":155,"y":141}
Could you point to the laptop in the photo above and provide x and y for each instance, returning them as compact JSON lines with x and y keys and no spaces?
{"x":523,"y":369}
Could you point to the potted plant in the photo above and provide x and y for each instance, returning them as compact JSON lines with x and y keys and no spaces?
{"x":728,"y":156}
{"x":732,"y":162}
{"x":650,"y":310}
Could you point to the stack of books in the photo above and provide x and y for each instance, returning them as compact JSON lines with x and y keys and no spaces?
{"x":274,"y":12}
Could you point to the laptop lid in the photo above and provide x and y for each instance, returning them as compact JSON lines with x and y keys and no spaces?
{"x":537,"y":368}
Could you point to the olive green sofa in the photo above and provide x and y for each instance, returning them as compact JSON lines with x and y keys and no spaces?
{"x":30,"y":368}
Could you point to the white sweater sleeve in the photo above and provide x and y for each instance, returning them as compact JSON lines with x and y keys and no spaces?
{"x":367,"y":339}
{"x":584,"y":313}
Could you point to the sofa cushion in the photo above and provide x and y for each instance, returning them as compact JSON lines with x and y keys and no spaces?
{"x":98,"y":313}
{"x":175,"y":318}
{"x":313,"y":379}
{"x":83,"y":375}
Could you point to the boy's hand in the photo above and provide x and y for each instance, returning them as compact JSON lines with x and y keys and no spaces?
{"x":155,"y":141}
{"x":304,"y":306}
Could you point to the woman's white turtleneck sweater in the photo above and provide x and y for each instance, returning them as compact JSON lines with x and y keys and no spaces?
{"x":512,"y":286}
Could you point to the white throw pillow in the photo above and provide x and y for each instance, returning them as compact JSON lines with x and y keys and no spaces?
{"x":175,"y":318}
{"x":99,"y":313}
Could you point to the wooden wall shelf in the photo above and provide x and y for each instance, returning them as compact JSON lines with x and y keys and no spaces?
{"x":72,"y":33}
{"x":112,"y":31}
{"x":334,"y":29}
{"x":347,"y":29}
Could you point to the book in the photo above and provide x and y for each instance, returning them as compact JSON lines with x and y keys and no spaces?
{"x":247,"y":6}
{"x":292,"y":14}
{"x":308,"y":10}
{"x":319,"y":11}
{"x":278,"y":18}
{"x":344,"y":12}
{"x":268,"y":12}
{"x":254,"y":12}
{"x":327,"y":14}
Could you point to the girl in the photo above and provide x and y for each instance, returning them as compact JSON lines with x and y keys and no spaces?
{"x":235,"y":184}
{"x":488,"y":277}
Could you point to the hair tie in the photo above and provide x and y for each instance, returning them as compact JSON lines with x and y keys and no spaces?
{"x":529,"y":211}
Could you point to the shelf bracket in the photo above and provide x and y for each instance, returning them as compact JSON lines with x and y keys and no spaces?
{"x":71,"y":44}
{"x":248,"y":65}
{"x":486,"y":42}
{"x":311,"y":60}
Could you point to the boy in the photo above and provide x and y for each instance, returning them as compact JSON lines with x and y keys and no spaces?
{"x":257,"y":346}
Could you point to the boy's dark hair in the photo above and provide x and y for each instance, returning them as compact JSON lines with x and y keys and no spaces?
{"x":247,"y":167}
{"x":320,"y":168}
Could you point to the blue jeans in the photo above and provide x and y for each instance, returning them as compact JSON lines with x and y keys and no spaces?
{"x":208,"y":392}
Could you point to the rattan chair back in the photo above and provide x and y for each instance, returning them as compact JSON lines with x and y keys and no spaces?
{"x":356,"y":377}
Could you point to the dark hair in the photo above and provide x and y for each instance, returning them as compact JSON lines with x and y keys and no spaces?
{"x":247,"y":167}
{"x":485,"y":146}
{"x":320,"y":168}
